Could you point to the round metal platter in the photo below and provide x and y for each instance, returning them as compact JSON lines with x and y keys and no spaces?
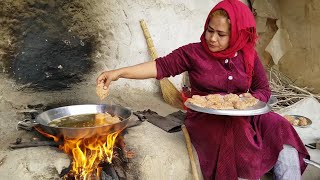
{"x":259,"y":108}
{"x":309,"y":122}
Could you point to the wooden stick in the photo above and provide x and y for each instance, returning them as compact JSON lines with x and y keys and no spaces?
{"x":190,"y":152}
{"x":170,"y":93}
{"x":34,"y":144}
{"x":3,"y":160}
{"x":150,"y":44}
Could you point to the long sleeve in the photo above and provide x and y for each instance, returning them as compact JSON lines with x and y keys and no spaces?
{"x":174,"y":63}
{"x":260,"y":86}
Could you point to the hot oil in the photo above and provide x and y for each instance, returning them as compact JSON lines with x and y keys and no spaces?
{"x":84,"y":120}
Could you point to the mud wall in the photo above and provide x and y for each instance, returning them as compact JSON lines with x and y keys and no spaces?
{"x":299,"y":51}
{"x":302,"y":62}
{"x":53,"y":50}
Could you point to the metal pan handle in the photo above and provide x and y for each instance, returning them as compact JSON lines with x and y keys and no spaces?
{"x":315,"y":164}
{"x":27,"y":124}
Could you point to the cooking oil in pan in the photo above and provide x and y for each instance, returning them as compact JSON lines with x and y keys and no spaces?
{"x":85,"y":120}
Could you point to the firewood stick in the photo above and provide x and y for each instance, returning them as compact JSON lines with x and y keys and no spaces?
{"x":190,"y":152}
{"x":34,"y":144}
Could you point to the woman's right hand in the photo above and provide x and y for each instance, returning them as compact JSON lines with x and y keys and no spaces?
{"x":107,"y":76}
{"x":141,"y":71}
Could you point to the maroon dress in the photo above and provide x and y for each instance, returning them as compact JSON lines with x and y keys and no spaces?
{"x":230,"y":147}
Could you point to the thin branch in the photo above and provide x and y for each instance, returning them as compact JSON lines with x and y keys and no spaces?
{"x":285,"y":91}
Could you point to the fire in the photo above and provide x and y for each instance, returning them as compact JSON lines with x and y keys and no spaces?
{"x":87,"y":153}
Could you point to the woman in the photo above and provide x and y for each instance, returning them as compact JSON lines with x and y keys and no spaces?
{"x":225,"y":62}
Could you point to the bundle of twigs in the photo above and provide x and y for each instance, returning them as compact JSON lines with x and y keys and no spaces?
{"x":286,"y":92}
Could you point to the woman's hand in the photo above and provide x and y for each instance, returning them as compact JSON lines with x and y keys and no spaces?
{"x":245,"y":95}
{"x":140,"y":71}
{"x":106,"y":77}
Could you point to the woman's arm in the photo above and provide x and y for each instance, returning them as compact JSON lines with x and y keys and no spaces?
{"x":140,"y":71}
{"x":260,"y":86}
{"x":174,"y":63}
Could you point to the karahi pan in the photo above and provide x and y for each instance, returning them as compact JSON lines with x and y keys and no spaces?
{"x":43,"y":119}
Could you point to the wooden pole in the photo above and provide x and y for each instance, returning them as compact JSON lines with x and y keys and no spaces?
{"x":190,"y":152}
{"x":152,"y":49}
{"x":170,"y":93}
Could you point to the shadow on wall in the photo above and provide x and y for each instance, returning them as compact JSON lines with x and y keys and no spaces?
{"x":48,"y":47}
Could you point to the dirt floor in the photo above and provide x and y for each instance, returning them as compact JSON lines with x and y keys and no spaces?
{"x":159,"y":155}
{"x":155,"y":157}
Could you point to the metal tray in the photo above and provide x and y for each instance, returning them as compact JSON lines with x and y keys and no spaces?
{"x":309,"y":122}
{"x":259,"y":108}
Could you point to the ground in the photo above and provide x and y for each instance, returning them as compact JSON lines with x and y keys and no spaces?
{"x":164,"y":157}
{"x":150,"y":161}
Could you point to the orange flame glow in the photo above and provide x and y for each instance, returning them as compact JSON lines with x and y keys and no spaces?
{"x":87,"y":153}
{"x":55,"y":138}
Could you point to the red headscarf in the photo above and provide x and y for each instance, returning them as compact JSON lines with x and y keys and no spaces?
{"x":243,"y":33}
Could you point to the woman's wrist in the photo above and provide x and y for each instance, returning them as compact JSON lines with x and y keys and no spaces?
{"x":120,"y":73}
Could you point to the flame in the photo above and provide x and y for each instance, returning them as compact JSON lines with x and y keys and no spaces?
{"x":55,"y":138}
{"x":87,"y":153}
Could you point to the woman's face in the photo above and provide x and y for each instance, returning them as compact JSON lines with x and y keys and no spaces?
{"x":218,"y":34}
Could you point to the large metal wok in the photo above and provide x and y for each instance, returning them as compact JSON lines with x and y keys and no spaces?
{"x":44,"y":118}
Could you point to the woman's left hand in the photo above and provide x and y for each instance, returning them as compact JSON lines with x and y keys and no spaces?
{"x":245,"y":95}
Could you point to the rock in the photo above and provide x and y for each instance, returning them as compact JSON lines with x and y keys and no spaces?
{"x":159,"y":155}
